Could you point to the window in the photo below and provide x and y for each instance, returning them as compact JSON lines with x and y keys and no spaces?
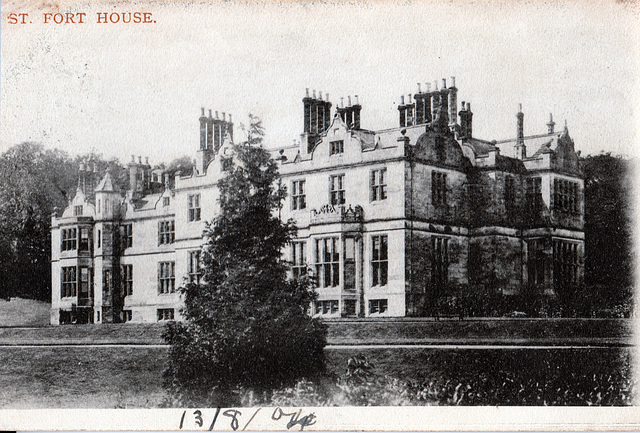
{"x":565,"y":196}
{"x":438,"y":188}
{"x":299,"y":259}
{"x":127,"y":235}
{"x":106,"y":281}
{"x":535,"y":261}
{"x":298,"y":196}
{"x":350,"y":307}
{"x":99,"y":201}
{"x":99,"y":238}
{"x":166,"y":201}
{"x":127,"y":279}
{"x":166,"y":232}
{"x":69,"y":239}
{"x":328,"y":262}
{"x":327,"y":307}
{"x":106,"y":206}
{"x":378,"y":184}
{"x":509,"y":192}
{"x":336,"y":147}
{"x":84,"y":283}
{"x":565,"y":263}
{"x":193,"y":265}
{"x":377,"y":306}
{"x":193,"y":204}
{"x":336,"y":189}
{"x":77,"y":210}
{"x":127,"y":315}
{"x":84,"y":239}
{"x":379,"y":260}
{"x":166,"y":277}
{"x":439,"y":260}
{"x":534,"y":195}
{"x":69,"y":284}
{"x":165,"y":314}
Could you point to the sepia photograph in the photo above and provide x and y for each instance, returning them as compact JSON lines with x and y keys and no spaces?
{"x":318,"y":215}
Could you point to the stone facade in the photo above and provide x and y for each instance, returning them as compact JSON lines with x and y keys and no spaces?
{"x":388,"y":221}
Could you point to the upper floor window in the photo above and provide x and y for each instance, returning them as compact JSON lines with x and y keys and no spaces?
{"x":69,"y":282}
{"x":127,"y":235}
{"x":379,"y":260}
{"x":99,"y":238}
{"x":509,"y":191}
{"x":299,"y":259}
{"x":77,"y":210}
{"x":298,"y":195}
{"x":166,"y":277}
{"x":439,"y":260}
{"x":336,"y":189}
{"x":534,"y":195}
{"x":84,"y":239}
{"x":438,"y":188}
{"x":565,"y":195}
{"x":69,"y":239}
{"x":194,"y":266}
{"x":378,"y":183}
{"x":328,"y":262}
{"x":127,"y":279}
{"x":193,"y":204}
{"x":166,"y":232}
{"x":166,"y":201}
{"x":336,"y":147}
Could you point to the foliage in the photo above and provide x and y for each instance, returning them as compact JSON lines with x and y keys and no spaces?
{"x":608,"y":248}
{"x":34,"y":181}
{"x":246,"y":326}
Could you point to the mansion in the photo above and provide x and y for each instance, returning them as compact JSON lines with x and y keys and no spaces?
{"x":388,"y":220}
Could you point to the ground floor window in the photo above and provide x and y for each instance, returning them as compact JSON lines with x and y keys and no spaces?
{"x":126,"y":316}
{"x":378,"y":306}
{"x":165,"y":314}
{"x":565,"y":263}
{"x":327,"y":262}
{"x":350,"y":307}
{"x":299,"y":259}
{"x":69,"y":286}
{"x":127,"y":279}
{"x":327,"y":307}
{"x":535,"y":261}
{"x":194,"y":266}
{"x":379,"y":260}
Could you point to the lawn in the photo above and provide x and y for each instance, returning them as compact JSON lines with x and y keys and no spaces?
{"x":24,"y":312}
{"x":132,"y":377}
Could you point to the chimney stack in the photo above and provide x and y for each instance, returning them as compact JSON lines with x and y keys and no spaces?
{"x":203,"y":131}
{"x":521,"y":150}
{"x":453,"y":103}
{"x":551,"y":124}
{"x":466,"y":116}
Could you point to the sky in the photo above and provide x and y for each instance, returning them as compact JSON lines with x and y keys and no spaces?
{"x":137,"y":89}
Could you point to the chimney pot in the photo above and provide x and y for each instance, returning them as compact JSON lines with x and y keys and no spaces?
{"x":146,"y":160}
{"x":320,"y":94}
{"x":202,"y":110}
{"x":435,"y":85}
{"x":342,"y":101}
{"x":314,"y":93}
{"x":453,"y":81}
{"x":401,"y":99}
{"x":224,"y":116}
{"x":444,"y":84}
{"x":139,"y":160}
{"x":230,"y":118}
{"x":307,"y":92}
{"x":462,"y":105}
{"x":519,"y":108}
{"x":210,"y":114}
{"x":349,"y":101}
{"x":133,"y":158}
{"x":217,"y":115}
{"x":409,"y":98}
{"x":326,"y":97}
{"x":468,"y":106}
{"x":357,"y":102}
{"x":428,"y":86}
{"x":419,"y":89}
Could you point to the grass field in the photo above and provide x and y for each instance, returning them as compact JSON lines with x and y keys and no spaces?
{"x":24,"y":312}
{"x":132,"y":377}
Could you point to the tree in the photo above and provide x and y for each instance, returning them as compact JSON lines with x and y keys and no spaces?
{"x":608,"y":247}
{"x":34,"y":182}
{"x":246,"y":326}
